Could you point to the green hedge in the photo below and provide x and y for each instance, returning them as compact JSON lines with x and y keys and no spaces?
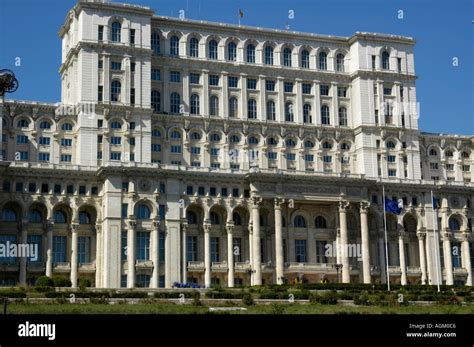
{"x":12,"y":294}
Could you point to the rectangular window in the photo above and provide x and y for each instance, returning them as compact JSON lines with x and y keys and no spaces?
{"x":19,"y":187}
{"x":70,"y":189}
{"x":162,"y":187}
{"x":161,"y":246}
{"x":115,"y":65}
{"x":115,"y":140}
{"x":44,"y":141}
{"x":21,"y":139}
{"x":324,"y":90}
{"x":237,"y":249}
{"x":43,"y":156}
{"x":399,"y":64}
{"x":156,"y":147}
{"x":66,"y":142}
{"x":100,"y":93}
{"x":213,"y":80}
{"x":22,"y":155}
{"x":212,"y":191}
{"x":450,"y":167}
{"x":391,"y":159}
{"x":36,"y":240}
{"x":300,"y":251}
{"x":233,"y":82}
{"x":123,"y":245}
{"x":115,"y":156}
{"x":142,"y":248}
{"x":59,"y":249}
{"x":196,"y":150}
{"x":214,"y":249}
{"x":132,"y":36}
{"x":100,"y":64}
{"x":288,"y":87}
{"x":83,"y":249}
{"x":124,"y":210}
{"x":309,"y":157}
{"x":4,"y":239}
{"x":270,"y":85}
{"x":201,"y":190}
{"x":131,"y":141}
{"x":162,"y":211}
{"x":31,"y":187}
{"x":196,"y":164}
{"x":224,"y":192}
{"x":387,"y":91}
{"x":99,"y":155}
{"x":132,"y":96}
{"x":251,"y":83}
{"x":327,"y":159}
{"x":194,"y":78}
{"x":307,"y":88}
{"x":191,"y":248}
{"x":100,"y":33}
{"x":214,"y":151}
{"x":175,"y":149}
{"x":155,"y":75}
{"x":235,"y":192}
{"x":434,"y":166}
{"x":342,"y":92}
{"x":320,"y":252}
{"x":175,"y":76}
{"x":291,"y":156}
{"x":373,"y":62}
{"x":215,"y":165}
{"x":466,"y":168}
{"x":272,"y":155}
{"x":189,"y":190}
{"x":392,"y":173}
{"x":66,"y":158}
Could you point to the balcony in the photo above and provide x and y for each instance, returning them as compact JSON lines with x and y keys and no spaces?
{"x":413,"y":270}
{"x":394,"y":270}
{"x":61,"y":267}
{"x":86,"y":267}
{"x":310,"y":267}
{"x":219,"y":266}
{"x":242,"y":266}
{"x":195,"y":266}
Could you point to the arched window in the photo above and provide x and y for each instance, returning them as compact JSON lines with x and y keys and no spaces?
{"x":448,"y":153}
{"x":232,"y":51}
{"x":271,"y":112}
{"x":340,"y":62}
{"x":175,"y":134}
{"x":66,"y":127}
{"x":289,"y":117}
{"x":35,"y":216}
{"x":327,"y":145}
{"x":45,"y":125}
{"x":309,"y":144}
{"x":345,"y":146}
{"x":235,"y":139}
{"x":325,"y":118}
{"x":320,"y":222}
{"x":250,"y":53}
{"x":174,"y":45}
{"x":215,"y":137}
{"x":300,"y":222}
{"x":215,"y":220}
{"x":143,"y":212}
{"x":307,"y":118}
{"x":465,"y":155}
{"x":59,"y":217}
{"x":115,"y":89}
{"x":272,"y":141}
{"x":156,"y":133}
{"x":213,"y":49}
{"x":155,"y":100}
{"x":322,"y":62}
{"x":194,"y":47}
{"x":23,"y":123}
{"x":305,"y":59}
{"x":195,"y":104}
{"x":191,"y":217}
{"x":252,"y":109}
{"x":269,"y":55}
{"x":214,"y":106}
{"x":175,"y":101}
{"x":290,"y":143}
{"x":237,"y":218}
{"x":385,"y":60}
{"x":343,"y":116}
{"x":155,"y":43}
{"x":195,"y":136}
{"x":116,"y":31}
{"x":454,"y":224}
{"x":233,"y":107}
{"x":433,"y":152}
{"x":287,"y":57}
{"x":253,"y":140}
{"x":390,"y":144}
{"x":9,"y":215}
{"x":84,"y":218}
{"x":115,"y":125}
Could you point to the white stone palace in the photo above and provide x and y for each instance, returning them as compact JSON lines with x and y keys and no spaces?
{"x":190,"y":151}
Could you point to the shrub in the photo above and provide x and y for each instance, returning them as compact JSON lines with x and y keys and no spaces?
{"x":167,"y":295}
{"x":84,"y":283}
{"x":328,"y":298}
{"x":361,"y":300}
{"x":133,"y":295}
{"x":247,"y":299}
{"x":61,"y":281}
{"x":277,"y":309}
{"x":44,"y":284}
{"x":12,"y":294}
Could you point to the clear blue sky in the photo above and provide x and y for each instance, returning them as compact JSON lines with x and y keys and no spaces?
{"x":443,"y":30}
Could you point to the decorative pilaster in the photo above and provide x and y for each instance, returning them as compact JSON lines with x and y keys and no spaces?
{"x":257,"y":261}
{"x":448,"y":261}
{"x":467,"y":257}
{"x":98,"y":256}
{"x":343,"y":206}
{"x":49,"y":249}
{"x":155,"y":237}
{"x":230,"y":254}
{"x":74,"y":258}
{"x":421,"y":249}
{"x":207,"y":254}
{"x":132,"y":224}
{"x":401,"y":253}
{"x":279,"y":266}
{"x":364,"y":227}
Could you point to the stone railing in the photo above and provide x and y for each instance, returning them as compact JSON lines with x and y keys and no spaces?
{"x":242,"y":266}
{"x":222,"y":265}
{"x":195,"y":265}
{"x":413,"y":270}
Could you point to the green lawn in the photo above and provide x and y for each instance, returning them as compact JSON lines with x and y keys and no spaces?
{"x":169,"y":308}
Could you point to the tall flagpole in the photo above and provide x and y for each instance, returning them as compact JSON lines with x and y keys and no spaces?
{"x":435,"y":234}
{"x":386,"y":241}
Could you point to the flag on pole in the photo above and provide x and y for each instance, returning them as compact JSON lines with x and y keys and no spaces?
{"x":435,"y":203}
{"x":241,"y":14}
{"x":393,"y":206}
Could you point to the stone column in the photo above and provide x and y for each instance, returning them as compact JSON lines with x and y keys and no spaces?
{"x":279,"y":263}
{"x":364,"y":227}
{"x":421,"y":249}
{"x":98,"y":256}
{"x":467,"y":257}
{"x":207,"y":254}
{"x":448,"y":261}
{"x":74,"y":259}
{"x":184,"y":227}
{"x":401,"y":253}
{"x":155,"y":239}
{"x":343,"y":206}
{"x":257,"y":261}
{"x":49,"y":249}
{"x":23,"y":259}
{"x":132,"y":224}
{"x":250,"y":228}
{"x":230,"y":254}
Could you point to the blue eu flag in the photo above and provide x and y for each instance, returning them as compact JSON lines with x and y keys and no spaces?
{"x":393,"y":206}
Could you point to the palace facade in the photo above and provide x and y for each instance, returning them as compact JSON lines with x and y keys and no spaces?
{"x":189,"y":151}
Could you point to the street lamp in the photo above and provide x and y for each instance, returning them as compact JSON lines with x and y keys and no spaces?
{"x":338,"y":266}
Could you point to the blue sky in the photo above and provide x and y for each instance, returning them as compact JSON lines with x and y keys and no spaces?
{"x":443,"y":30}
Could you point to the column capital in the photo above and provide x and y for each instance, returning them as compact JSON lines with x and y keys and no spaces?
{"x":98,"y":228}
{"x":421,"y":235}
{"x":278,"y":201}
{"x":156,"y":223}
{"x":132,"y":223}
{"x":364,"y":206}
{"x":207,"y":227}
{"x":343,"y":205}
{"x":402,"y":234}
{"x":466,"y":236}
{"x":256,"y":201}
{"x":230,"y":227}
{"x":74,"y":227}
{"x":446,"y":235}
